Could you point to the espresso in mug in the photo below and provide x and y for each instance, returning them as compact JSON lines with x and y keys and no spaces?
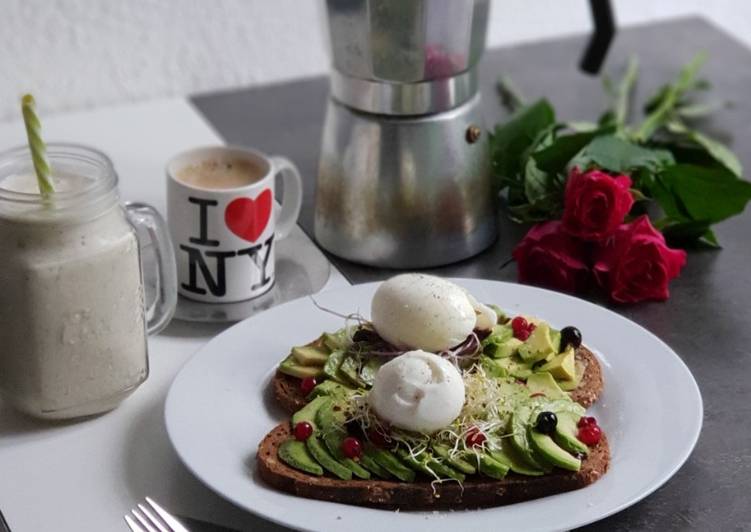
{"x":217,"y":174}
{"x":221,"y":211}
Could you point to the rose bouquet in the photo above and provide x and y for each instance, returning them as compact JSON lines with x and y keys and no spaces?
{"x":631,"y":261}
{"x":610,"y":195}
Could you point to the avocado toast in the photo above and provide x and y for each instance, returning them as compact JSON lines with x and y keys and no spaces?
{"x":290,"y":397}
{"x":497,"y":418}
{"x":474,"y":492}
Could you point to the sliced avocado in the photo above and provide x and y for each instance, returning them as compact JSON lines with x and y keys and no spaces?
{"x":357,"y":470}
{"x":289,"y":366}
{"x":295,"y":454}
{"x":494,"y":342}
{"x":508,"y":348}
{"x":337,"y":340}
{"x":330,"y":388}
{"x":316,"y":447}
{"x":517,"y":467}
{"x":519,"y":437}
{"x":369,"y":370}
{"x":309,"y":411}
{"x":510,"y":457}
{"x":331,"y":368}
{"x":369,"y":463}
{"x":566,"y":431}
{"x":454,"y":461}
{"x":491,"y":467}
{"x":391,"y":464}
{"x":492,"y":367}
{"x":331,"y":429}
{"x":544,"y":383}
{"x":428,"y":465}
{"x":551,"y":452}
{"x":350,"y":369}
{"x":515,"y":367}
{"x":568,"y":386}
{"x":571,"y":385}
{"x":562,"y":405}
{"x":562,"y":366}
{"x":328,"y":462}
{"x":446,"y":470}
{"x":308,"y":355}
{"x":555,"y":336}
{"x":539,"y":345}
{"x":499,"y":334}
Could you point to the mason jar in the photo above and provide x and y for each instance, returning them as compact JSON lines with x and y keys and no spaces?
{"x":73,"y":316}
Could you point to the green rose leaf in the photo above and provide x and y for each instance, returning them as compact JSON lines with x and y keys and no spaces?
{"x":701,"y":194}
{"x":687,"y":233}
{"x":618,"y":155}
{"x":554,"y":157}
{"x":716,"y":149}
{"x":514,"y":138}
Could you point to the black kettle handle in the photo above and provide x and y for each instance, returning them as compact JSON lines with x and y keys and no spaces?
{"x":604,"y":31}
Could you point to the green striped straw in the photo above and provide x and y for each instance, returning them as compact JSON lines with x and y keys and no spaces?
{"x":38,"y":148}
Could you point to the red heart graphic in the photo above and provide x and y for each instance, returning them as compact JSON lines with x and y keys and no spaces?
{"x":247,"y":217}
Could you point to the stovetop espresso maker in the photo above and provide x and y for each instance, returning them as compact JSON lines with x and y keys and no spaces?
{"x":404,"y":176}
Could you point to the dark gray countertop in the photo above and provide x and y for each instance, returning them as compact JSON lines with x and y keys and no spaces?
{"x":706,"y":320}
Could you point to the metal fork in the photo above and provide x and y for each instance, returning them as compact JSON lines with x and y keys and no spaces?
{"x":151,"y":517}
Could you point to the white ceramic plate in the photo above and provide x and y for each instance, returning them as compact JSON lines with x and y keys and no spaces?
{"x":218,"y":409}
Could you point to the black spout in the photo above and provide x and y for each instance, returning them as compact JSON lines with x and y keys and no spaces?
{"x":604,"y":31}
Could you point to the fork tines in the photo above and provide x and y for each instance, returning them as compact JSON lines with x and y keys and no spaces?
{"x":151,"y":517}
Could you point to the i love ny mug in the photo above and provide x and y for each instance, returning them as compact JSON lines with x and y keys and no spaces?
{"x":223,"y":221}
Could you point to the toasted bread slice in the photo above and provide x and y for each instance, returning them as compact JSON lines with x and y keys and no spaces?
{"x":476,"y":492}
{"x":591,"y":385}
{"x":288,"y":395}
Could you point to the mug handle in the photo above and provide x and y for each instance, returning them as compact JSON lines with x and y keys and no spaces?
{"x":292,"y":197}
{"x":146,"y":218}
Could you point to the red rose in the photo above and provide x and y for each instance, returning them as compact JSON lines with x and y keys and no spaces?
{"x":548,"y":256}
{"x":595,"y":203}
{"x":636,"y":264}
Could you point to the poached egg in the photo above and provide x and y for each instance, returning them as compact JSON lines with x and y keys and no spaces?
{"x":418,"y":311}
{"x":418,"y":391}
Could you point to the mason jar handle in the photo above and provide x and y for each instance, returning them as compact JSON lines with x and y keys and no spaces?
{"x":146,"y":218}
{"x":292,"y":197}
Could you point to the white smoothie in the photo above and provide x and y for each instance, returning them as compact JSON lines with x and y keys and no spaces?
{"x":71,"y":307}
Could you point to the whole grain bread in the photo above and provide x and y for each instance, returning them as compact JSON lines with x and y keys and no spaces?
{"x":288,"y":395}
{"x":476,"y":492}
{"x":591,"y":385}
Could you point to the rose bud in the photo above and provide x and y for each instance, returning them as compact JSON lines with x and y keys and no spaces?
{"x":636,"y":264}
{"x":595,"y":203}
{"x":548,"y":256}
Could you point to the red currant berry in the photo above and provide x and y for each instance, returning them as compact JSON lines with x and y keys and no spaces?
{"x":531,"y":327}
{"x":519,"y":325}
{"x":590,"y":435}
{"x":303,"y":430}
{"x":586,"y":421}
{"x":523,"y":335}
{"x":307,"y":385}
{"x":475,"y":437}
{"x":351,"y":447}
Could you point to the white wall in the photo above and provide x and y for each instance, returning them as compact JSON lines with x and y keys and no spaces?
{"x":80,"y":53}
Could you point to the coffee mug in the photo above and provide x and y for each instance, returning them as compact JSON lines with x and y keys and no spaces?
{"x":223,"y":221}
